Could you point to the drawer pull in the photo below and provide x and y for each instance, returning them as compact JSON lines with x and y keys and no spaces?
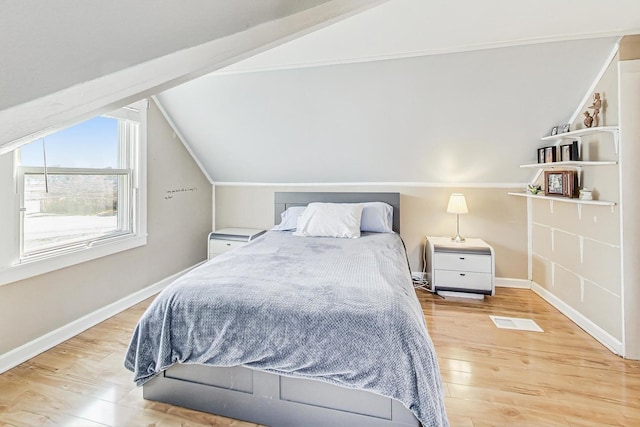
{"x":461,"y":257}
{"x":462,"y":274}
{"x":228,"y":244}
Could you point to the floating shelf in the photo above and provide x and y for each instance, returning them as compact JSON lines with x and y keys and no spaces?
{"x":578,"y":134}
{"x":565,"y":199}
{"x":578,"y":165}
{"x":574,"y":164}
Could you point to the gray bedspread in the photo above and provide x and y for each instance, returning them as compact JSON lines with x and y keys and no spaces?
{"x":341,"y":311}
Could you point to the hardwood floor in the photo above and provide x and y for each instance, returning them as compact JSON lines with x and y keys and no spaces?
{"x":503,"y":377}
{"x":492,"y":376}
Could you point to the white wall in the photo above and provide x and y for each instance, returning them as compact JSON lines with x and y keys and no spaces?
{"x":470,"y":117}
{"x":630,"y":200}
{"x":494,"y":216}
{"x":177,"y":230}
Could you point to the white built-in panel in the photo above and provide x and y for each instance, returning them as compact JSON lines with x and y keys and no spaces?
{"x":598,"y":223}
{"x":567,"y":252}
{"x":567,"y":287}
{"x":607,"y":313}
{"x":597,"y":255}
{"x":542,"y":241}
{"x":542,"y":271}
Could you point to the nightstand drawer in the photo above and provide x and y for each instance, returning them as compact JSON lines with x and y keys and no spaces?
{"x":463,"y":280}
{"x":217,"y":246}
{"x":463,"y":262}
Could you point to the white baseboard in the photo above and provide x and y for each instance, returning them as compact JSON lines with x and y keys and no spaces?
{"x":579,"y":319}
{"x":31,"y":349}
{"x":505,"y":282}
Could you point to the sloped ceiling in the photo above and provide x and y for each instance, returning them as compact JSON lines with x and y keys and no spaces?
{"x":409,"y":91}
{"x":462,"y":118}
{"x":61,"y":62}
{"x":404,"y":28}
{"x":75,"y":45}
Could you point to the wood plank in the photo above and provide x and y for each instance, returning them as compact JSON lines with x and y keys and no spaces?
{"x":491,"y":376}
{"x":563,"y":373}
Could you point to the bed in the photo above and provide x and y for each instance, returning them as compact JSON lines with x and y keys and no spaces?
{"x":295,"y":331}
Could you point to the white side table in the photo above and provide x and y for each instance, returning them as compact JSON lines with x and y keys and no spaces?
{"x":460,"y":267}
{"x":225,"y":239}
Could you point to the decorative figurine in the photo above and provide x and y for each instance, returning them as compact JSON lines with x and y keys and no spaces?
{"x":588,"y":120}
{"x":596,"y":106}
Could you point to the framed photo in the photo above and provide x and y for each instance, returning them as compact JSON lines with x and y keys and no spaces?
{"x":575,"y":151}
{"x":560,"y":183}
{"x":569,"y":152}
{"x":566,"y":153}
{"x":540,"y":155}
{"x":554,"y":130}
{"x":549,"y":154}
{"x":566,"y":128}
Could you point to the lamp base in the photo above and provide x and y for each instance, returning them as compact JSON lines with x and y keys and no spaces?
{"x":458,"y":238}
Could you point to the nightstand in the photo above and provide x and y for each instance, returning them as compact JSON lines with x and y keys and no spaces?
{"x":461,"y":267}
{"x":225,"y":239}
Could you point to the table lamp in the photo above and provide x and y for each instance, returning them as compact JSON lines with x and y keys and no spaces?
{"x":457,"y":205}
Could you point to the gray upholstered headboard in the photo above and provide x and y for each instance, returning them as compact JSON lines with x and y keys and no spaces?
{"x":284,"y":200}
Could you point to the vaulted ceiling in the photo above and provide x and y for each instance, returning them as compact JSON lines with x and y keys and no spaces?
{"x":62,"y":62}
{"x":408,"y":91}
{"x":405,"y":28}
{"x":400,"y":90}
{"x":469,"y":117}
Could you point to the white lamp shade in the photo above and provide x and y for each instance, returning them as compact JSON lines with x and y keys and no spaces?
{"x":457,"y":204}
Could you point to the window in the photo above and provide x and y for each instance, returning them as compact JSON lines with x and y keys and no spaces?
{"x":77,"y":186}
{"x":80,"y":190}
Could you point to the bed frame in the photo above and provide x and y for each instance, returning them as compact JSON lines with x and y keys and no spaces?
{"x":276,"y":400}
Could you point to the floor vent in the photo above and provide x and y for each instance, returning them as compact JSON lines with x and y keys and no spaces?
{"x":516,"y":323}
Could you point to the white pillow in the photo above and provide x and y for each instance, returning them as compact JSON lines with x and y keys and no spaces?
{"x":377,"y":217}
{"x":330,"y":220}
{"x":289,"y":218}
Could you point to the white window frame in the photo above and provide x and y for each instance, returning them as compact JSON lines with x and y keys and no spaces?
{"x":124,"y":214}
{"x":15,"y":266}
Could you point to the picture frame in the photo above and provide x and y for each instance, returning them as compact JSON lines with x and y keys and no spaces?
{"x":549,"y":154}
{"x":541,"y":155}
{"x":575,"y":150}
{"x":566,"y":153}
{"x":560,"y":183}
{"x":566,"y":128}
{"x":554,"y":130}
{"x":569,"y":152}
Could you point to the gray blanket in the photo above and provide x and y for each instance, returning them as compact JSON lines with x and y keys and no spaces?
{"x":341,"y":311}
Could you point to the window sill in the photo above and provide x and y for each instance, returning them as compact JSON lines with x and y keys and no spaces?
{"x":37,"y":267}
